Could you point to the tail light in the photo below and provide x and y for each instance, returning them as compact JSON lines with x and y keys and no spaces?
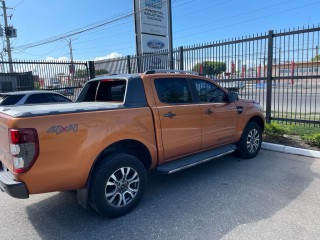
{"x":24,"y":148}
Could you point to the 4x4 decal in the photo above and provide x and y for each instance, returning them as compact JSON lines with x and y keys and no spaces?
{"x":60,"y":129}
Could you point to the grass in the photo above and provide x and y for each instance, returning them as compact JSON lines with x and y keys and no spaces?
{"x":309,"y":134}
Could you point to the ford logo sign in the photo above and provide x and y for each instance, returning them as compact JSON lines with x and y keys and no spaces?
{"x":155,"y":44}
{"x":157,"y":4}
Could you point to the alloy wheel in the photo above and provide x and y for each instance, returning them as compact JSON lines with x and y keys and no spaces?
{"x":122,"y":186}
{"x":253,"y":141}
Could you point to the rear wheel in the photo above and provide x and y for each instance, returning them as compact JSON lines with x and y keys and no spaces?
{"x":250,"y":142}
{"x":117,"y":185}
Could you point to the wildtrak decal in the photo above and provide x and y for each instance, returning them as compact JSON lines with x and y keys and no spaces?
{"x":61,"y":129}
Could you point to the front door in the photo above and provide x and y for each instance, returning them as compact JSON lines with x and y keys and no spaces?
{"x":219,"y":117}
{"x":180,"y":117}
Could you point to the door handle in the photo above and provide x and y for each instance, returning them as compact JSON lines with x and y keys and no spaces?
{"x":209,"y":111}
{"x":170,"y":114}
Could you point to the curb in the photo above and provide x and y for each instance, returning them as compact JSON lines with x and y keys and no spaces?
{"x":290,"y":150}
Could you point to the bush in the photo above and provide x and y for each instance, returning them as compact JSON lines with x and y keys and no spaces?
{"x":313,"y":139}
{"x":274,"y":130}
{"x":317,"y":140}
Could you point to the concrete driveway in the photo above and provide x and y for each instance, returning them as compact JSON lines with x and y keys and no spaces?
{"x":274,"y":196}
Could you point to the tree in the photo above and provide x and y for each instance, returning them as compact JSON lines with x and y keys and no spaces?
{"x":210,"y":67}
{"x":101,"y":72}
{"x":82,"y":73}
{"x":316,"y":58}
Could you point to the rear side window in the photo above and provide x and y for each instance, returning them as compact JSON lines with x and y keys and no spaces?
{"x":108,"y":90}
{"x":173,"y":90}
{"x":10,"y":99}
{"x":46,"y":98}
{"x":59,"y":98}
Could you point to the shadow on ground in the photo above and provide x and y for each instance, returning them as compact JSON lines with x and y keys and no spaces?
{"x":204,"y":202}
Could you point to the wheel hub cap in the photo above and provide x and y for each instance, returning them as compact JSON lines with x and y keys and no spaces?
{"x":253,"y":141}
{"x":122,"y":187}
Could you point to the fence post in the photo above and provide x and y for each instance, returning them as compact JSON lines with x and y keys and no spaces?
{"x":269,"y":77}
{"x":92,"y":72}
{"x":181,"y":58}
{"x":129,"y":64}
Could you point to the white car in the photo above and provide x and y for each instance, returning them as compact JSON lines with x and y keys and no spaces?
{"x":32,"y":97}
{"x":234,"y":86}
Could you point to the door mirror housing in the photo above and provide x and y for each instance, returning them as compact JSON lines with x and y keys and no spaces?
{"x":233,"y":96}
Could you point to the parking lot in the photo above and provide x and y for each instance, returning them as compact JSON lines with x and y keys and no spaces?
{"x":274,"y":196}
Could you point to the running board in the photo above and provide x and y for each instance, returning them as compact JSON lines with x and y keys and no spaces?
{"x":196,"y":159}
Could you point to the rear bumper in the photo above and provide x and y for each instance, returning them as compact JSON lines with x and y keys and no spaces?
{"x":11,"y":187}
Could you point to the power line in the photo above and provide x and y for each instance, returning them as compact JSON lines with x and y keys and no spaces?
{"x":118,"y":17}
{"x":234,"y":16}
{"x":104,"y":29}
{"x":207,"y":7}
{"x":69,"y":34}
{"x":250,"y":20}
{"x":54,"y":49}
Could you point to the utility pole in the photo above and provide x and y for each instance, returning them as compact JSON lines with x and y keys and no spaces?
{"x":8,"y":48}
{"x":71,"y":67}
{"x":171,"y":61}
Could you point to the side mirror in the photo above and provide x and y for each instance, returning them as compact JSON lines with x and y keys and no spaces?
{"x":233,"y":97}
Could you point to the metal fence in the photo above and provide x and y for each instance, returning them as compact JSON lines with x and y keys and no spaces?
{"x":281,"y":70}
{"x":64,"y":77}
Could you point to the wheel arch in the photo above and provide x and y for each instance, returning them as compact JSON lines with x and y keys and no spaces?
{"x":259,"y":120}
{"x":128,"y":146}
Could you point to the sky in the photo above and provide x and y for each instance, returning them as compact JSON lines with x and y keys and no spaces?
{"x":194,"y":22}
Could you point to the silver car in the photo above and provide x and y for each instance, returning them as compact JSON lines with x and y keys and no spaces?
{"x":31,"y":97}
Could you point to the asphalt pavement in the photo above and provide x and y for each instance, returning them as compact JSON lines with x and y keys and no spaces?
{"x":273,"y":196}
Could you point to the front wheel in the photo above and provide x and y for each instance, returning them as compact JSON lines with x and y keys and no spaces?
{"x":117,"y":185}
{"x":250,"y":142}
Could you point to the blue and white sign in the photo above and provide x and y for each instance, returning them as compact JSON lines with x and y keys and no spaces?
{"x":154,"y":17}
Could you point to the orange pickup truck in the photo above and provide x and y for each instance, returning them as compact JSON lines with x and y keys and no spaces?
{"x":120,"y":127}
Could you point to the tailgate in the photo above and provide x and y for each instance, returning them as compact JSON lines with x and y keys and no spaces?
{"x":5,"y":156}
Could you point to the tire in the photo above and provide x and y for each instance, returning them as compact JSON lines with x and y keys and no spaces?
{"x":250,"y":142}
{"x":117,"y":185}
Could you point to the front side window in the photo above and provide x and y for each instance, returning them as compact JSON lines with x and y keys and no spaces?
{"x":173,"y":90}
{"x":38,"y":98}
{"x":209,"y":92}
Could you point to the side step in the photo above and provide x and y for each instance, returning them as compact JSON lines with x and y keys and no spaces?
{"x":196,"y":159}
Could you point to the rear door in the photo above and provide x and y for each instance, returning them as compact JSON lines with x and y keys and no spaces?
{"x":219,"y":117}
{"x":180,"y":117}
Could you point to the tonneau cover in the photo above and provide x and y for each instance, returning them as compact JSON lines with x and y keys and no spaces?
{"x":58,"y":108}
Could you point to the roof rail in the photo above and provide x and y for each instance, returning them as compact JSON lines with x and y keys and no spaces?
{"x":170,"y":71}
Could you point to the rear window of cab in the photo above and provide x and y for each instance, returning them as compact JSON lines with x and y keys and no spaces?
{"x":108,"y":90}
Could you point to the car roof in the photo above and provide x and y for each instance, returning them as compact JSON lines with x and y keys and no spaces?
{"x":28,"y":92}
